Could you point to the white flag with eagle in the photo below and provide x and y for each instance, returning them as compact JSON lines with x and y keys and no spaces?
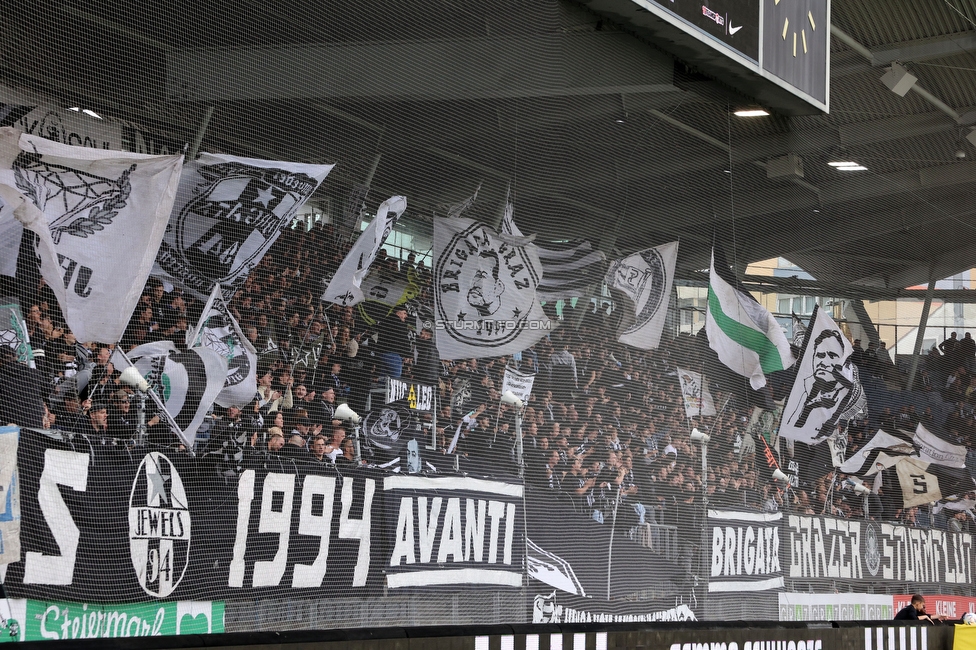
{"x":98,"y":217}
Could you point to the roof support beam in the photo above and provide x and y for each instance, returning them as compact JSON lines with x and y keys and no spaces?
{"x":594,"y":63}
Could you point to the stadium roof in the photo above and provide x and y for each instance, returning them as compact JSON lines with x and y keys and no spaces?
{"x":599,"y":132}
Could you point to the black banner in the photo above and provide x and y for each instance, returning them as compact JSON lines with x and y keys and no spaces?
{"x":593,"y":560}
{"x":103,"y":521}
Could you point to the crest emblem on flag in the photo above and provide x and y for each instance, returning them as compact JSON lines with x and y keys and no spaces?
{"x":228,"y":212}
{"x":159,"y":526}
{"x":644,"y":283}
{"x":245,"y":208}
{"x":486,"y":287}
{"x":383,"y":428}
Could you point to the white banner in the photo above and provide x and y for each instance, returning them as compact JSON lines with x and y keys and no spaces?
{"x":745,"y":551}
{"x":99,"y":217}
{"x":645,"y":278}
{"x":228,"y":213}
{"x":835,"y":607}
{"x":345,"y":288}
{"x":9,"y":496}
{"x":218,"y":331}
{"x":485,"y":291}
{"x":519,"y":383}
{"x":695,"y":395}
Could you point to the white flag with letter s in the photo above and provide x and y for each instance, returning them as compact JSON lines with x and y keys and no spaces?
{"x":99,"y":217}
{"x":485,"y":291}
{"x":345,"y":288}
{"x":645,"y":279}
{"x":228,"y":212}
{"x":219,"y":331}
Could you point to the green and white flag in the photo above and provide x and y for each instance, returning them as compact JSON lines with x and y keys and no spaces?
{"x":742,"y":332}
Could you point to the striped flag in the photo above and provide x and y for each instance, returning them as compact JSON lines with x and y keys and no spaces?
{"x":742,"y":332}
{"x":568,"y":268}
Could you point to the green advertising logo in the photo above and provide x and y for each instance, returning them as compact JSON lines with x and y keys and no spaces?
{"x":41,"y":620}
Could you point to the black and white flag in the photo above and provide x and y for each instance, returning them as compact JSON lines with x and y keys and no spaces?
{"x":218,"y":331}
{"x":644,"y":279}
{"x":882,"y":451}
{"x":187,"y":382}
{"x":228,"y":213}
{"x":695,"y":394}
{"x":569,"y":269}
{"x":825,"y":386}
{"x":923,"y":483}
{"x":345,"y":288}
{"x":485,"y":291}
{"x":98,"y":217}
{"x":931,"y":448}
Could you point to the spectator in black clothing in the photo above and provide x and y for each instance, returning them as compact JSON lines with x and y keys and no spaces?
{"x":97,"y":420}
{"x":948,"y":346}
{"x":22,"y":392}
{"x":394,"y":342}
{"x":966,"y":351}
{"x":428,"y":366}
{"x":915,"y":611}
{"x":122,"y":421}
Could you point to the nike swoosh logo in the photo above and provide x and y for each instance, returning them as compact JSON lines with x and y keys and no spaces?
{"x":733,"y":30}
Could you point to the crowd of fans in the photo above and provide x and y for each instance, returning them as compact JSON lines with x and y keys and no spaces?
{"x":605,"y":429}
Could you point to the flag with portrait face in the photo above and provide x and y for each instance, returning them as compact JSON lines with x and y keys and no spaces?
{"x":825,"y":384}
{"x":485,"y":291}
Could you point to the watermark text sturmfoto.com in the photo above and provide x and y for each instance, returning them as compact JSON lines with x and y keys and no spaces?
{"x":489,"y":325}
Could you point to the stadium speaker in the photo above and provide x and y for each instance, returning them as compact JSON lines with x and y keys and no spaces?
{"x":508,"y":397}
{"x":899,"y":80}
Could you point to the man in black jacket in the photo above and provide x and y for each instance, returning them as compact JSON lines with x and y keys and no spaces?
{"x":393,"y":343}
